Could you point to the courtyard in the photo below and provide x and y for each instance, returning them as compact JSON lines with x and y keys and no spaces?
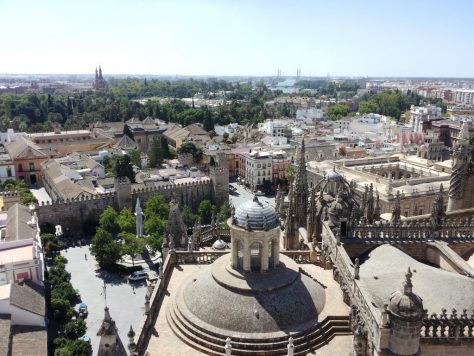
{"x":125,"y":300}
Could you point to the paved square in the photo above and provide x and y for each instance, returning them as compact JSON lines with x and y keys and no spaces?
{"x":125,"y":301}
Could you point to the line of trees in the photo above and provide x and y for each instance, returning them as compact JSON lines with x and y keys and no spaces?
{"x":61,"y":299}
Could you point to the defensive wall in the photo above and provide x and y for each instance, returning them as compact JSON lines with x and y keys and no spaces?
{"x":75,"y":215}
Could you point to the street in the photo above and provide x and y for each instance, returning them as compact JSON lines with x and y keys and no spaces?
{"x":125,"y":301}
{"x":241,"y":194}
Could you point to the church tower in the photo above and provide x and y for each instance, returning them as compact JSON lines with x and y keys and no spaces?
{"x":219,"y":173}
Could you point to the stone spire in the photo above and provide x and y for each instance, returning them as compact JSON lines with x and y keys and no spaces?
{"x":461,"y":190}
{"x":396,"y":212}
{"x":301,"y":189}
{"x":110,"y":343}
{"x":377,"y":209}
{"x":175,"y":226}
{"x":311,"y":225}
{"x":437,"y":210}
{"x":290,"y":240}
{"x":369,"y":208}
{"x":96,"y":74}
{"x":100,"y":73}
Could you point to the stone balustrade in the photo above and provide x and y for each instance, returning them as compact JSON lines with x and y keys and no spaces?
{"x":450,"y":328}
{"x":298,"y":256}
{"x":450,"y":229}
{"x":198,"y":257}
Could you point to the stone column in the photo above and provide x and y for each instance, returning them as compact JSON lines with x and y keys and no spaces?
{"x":246,"y":253}
{"x":264,"y":257}
{"x":276,"y":252}
{"x":235,"y":253}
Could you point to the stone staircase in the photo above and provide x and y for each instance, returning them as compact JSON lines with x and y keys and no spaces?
{"x":211,"y":343}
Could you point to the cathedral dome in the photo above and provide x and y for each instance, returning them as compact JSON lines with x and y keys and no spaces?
{"x":334,"y":176}
{"x":255,"y":214}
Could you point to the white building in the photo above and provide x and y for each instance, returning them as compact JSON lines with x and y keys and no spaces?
{"x":309,"y":114}
{"x":463,"y":96}
{"x":420,"y":114}
{"x":10,"y":136}
{"x":372,"y":126}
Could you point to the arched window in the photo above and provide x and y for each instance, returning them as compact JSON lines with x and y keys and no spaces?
{"x":255,"y":256}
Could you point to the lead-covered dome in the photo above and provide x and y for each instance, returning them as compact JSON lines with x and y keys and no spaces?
{"x":256,"y":215}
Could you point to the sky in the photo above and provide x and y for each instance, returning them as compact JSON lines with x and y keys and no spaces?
{"x":404,"y":38}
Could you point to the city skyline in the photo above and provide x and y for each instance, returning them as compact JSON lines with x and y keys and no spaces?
{"x":210,"y":38}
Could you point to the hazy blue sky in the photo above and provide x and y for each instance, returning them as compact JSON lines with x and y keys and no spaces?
{"x":239,"y":37}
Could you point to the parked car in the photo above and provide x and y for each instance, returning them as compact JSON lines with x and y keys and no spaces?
{"x":83,"y":310}
{"x":138,"y":276}
{"x":88,"y":340}
{"x":259,"y":193}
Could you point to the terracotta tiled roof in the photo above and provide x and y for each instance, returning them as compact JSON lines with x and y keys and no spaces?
{"x":29,"y":341}
{"x":18,"y":228}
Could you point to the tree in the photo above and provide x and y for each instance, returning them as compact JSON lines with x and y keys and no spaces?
{"x":126,"y":221}
{"x":65,"y":291}
{"x":205,"y":212}
{"x":290,"y":173}
{"x":225,"y":212}
{"x":123,"y":168}
{"x":61,"y":310}
{"x":156,"y":206}
{"x":108,"y":221}
{"x":65,"y":347}
{"x":155,"y":154}
{"x":190,"y":148}
{"x":74,"y":329}
{"x":225,"y":136}
{"x":165,"y":148}
{"x":208,"y":122}
{"x":188,"y":217}
{"x":337,"y":111}
{"x":135,"y":158}
{"x":131,"y":245}
{"x":105,"y":249}
{"x":51,"y":243}
{"x":58,"y":275}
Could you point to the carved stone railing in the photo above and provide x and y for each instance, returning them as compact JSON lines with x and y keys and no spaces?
{"x":155,"y":300}
{"x":448,"y":328}
{"x":198,"y":257}
{"x":298,"y":256}
{"x":450,"y":229}
{"x":208,"y":232}
{"x":354,"y":292}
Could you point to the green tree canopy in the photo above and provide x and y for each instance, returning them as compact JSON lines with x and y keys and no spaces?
{"x":61,"y":310}
{"x":74,"y":329}
{"x":131,"y":245}
{"x":106,"y":250}
{"x":126,"y":221}
{"x":205,"y":211}
{"x":123,"y":168}
{"x":190,"y":148}
{"x":155,"y":154}
{"x":108,"y":221}
{"x":337,"y":111}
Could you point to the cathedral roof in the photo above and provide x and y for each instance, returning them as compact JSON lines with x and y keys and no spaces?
{"x":254,"y":213}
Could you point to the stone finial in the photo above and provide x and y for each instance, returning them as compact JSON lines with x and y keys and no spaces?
{"x":228,"y":347}
{"x":160,"y":271}
{"x":147,"y":304}
{"x":407,"y":285}
{"x":291,"y":347}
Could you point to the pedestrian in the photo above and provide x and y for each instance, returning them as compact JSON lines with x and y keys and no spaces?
{"x":85,"y":256}
{"x":133,"y":287}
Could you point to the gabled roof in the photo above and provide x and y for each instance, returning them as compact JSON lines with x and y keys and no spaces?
{"x":29,"y":296}
{"x":125,"y":143}
{"x":29,"y":340}
{"x":18,"y":228}
{"x":24,"y":148}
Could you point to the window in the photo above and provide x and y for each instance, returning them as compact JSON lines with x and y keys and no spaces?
{"x":258,"y":166}
{"x":20,"y":167}
{"x":32,"y":166}
{"x":9,"y":171}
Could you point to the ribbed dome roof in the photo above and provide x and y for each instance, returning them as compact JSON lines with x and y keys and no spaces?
{"x":334,"y":176}
{"x":258,"y":212}
{"x":407,"y":306}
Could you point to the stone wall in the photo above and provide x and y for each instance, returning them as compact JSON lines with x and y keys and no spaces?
{"x":76,"y":214}
{"x":446,"y":350}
